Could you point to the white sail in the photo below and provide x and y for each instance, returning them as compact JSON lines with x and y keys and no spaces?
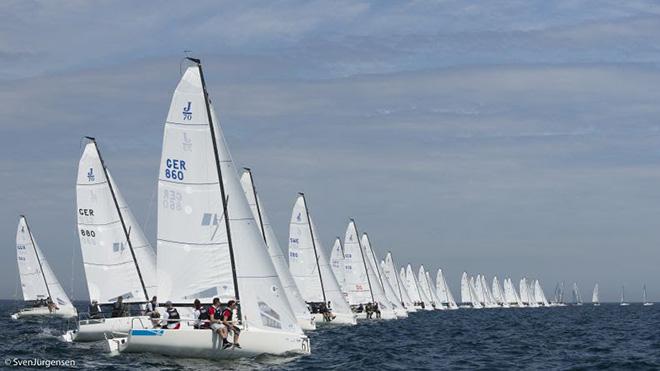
{"x":576,"y":294}
{"x":531,"y":295}
{"x":37,"y":278}
{"x":309,"y":265}
{"x":498,"y":293}
{"x":466,"y":298}
{"x":479,"y":290}
{"x":524,"y":296}
{"x":209,"y":244}
{"x":434,"y":294}
{"x":337,"y":262}
{"x":476,"y":303}
{"x":304,"y":317}
{"x":389,"y":297}
{"x":594,"y":295}
{"x":357,"y":281}
{"x":488,"y":295}
{"x":442,"y":291}
{"x":425,"y":287}
{"x":411,"y":285}
{"x":539,"y":295}
{"x":118,"y":259}
{"x":399,"y":286}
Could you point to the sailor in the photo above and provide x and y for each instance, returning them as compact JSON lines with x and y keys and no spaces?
{"x":51,"y":306}
{"x":171,"y":317}
{"x":119,"y":309}
{"x":376,"y":310}
{"x":94,"y":310}
{"x":215,"y":313}
{"x":152,"y":311}
{"x":227,"y":321}
{"x":369,"y":309}
{"x":201,"y":314}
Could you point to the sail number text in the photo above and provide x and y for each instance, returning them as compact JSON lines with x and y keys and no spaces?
{"x":175,"y":169}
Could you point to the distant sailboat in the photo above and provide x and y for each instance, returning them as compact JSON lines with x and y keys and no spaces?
{"x":389,"y":269}
{"x":645,"y":301}
{"x":337,"y":262}
{"x":443,"y":292}
{"x":623,"y":297}
{"x":576,"y":294}
{"x":38,"y":282}
{"x":594,"y":297}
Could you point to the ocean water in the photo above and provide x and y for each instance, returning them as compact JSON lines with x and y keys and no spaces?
{"x":586,"y":337}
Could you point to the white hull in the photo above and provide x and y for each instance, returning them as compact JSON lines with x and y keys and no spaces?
{"x":401,"y":313}
{"x":647,"y":304}
{"x":66,"y":312}
{"x":105,"y":328}
{"x":624,"y":304}
{"x":207,"y":344}
{"x":340,"y":319}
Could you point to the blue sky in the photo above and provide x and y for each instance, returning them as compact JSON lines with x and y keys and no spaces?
{"x":510,"y":138}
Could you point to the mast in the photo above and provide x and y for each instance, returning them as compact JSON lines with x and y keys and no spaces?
{"x":121,"y":218}
{"x":371,"y":291}
{"x":316,"y":254}
{"x":396,"y":278}
{"x":256,"y":201}
{"x":221,"y":181}
{"x":34,"y":246}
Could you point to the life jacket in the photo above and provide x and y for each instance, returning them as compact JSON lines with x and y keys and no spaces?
{"x":172,"y":313}
{"x":217,"y":313}
{"x":204,"y":314}
{"x":228,"y":313}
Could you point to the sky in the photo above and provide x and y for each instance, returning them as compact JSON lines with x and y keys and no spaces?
{"x":509,"y":138}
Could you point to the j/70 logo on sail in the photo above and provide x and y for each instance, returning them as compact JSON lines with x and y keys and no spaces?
{"x":187,"y":111}
{"x":90,"y":174}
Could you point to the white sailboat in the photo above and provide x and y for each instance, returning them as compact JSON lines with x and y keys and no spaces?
{"x":389,"y":269}
{"x":362,"y":285}
{"x":443,"y":292}
{"x":305,"y":319}
{"x":425,"y":288}
{"x":434,"y":294}
{"x":510,"y":294}
{"x":399,"y":310}
{"x":539,"y":295}
{"x":498,"y":293}
{"x":310,"y":268}
{"x":209,"y":244}
{"x":424,"y":300}
{"x":489,"y":299}
{"x":623,"y":297}
{"x":117,"y":257}
{"x":531,"y":292}
{"x":413,"y":288}
{"x":645,"y":301}
{"x":476,"y":301}
{"x":38,"y":282}
{"x":466,"y":298}
{"x":594,"y":297}
{"x":337,"y":262}
{"x":576,"y":294}
{"x":478,"y":289}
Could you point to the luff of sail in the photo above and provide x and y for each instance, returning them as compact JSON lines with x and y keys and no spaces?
{"x":305,"y":319}
{"x":117,"y":257}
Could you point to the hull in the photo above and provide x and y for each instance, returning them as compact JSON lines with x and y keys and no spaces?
{"x":648,"y":304}
{"x":105,"y":328}
{"x":340,"y":319}
{"x":189,"y":343}
{"x":67,"y":312}
{"x":401,"y":313}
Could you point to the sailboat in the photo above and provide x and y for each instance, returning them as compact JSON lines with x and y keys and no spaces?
{"x":414,"y":290}
{"x":362,"y":285}
{"x":645,"y":301}
{"x":623,"y":297}
{"x":398,"y":309}
{"x":594,"y":297}
{"x":118,"y":259}
{"x":476,"y":301}
{"x":311,"y":271}
{"x":498,"y":293}
{"x":443,"y":292}
{"x":337,"y":262}
{"x":38,"y":282}
{"x":425,"y":287}
{"x":434,"y":294}
{"x":510,"y":294}
{"x":209,"y":244}
{"x":489,"y":299}
{"x":539,"y":295}
{"x":305,"y":319}
{"x":389,"y":269}
{"x":576,"y":294}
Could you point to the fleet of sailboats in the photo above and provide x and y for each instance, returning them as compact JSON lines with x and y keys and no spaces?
{"x":215,"y":241}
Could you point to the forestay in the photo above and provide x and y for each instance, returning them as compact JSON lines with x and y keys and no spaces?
{"x":118,"y":259}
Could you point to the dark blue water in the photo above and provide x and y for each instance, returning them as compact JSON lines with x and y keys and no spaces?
{"x":587,"y":337}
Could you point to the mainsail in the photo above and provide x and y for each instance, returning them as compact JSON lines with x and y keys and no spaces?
{"x":118,"y":259}
{"x":594,"y":295}
{"x":357,"y":279}
{"x":388,"y":295}
{"x":274,"y":251}
{"x":443,"y":292}
{"x":389,"y":269}
{"x":37,"y":278}
{"x":209,"y":244}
